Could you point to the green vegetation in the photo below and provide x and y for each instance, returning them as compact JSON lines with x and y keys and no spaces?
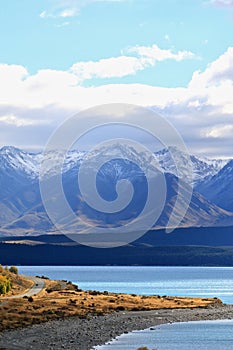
{"x":5,"y":281}
{"x":5,"y":284}
{"x":14,"y":269}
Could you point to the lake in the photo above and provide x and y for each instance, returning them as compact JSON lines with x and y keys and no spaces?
{"x":204,"y":335}
{"x":179,"y":281}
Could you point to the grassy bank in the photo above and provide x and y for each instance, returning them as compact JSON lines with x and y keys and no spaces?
{"x":61,"y":299}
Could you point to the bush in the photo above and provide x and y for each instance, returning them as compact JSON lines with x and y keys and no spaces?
{"x":94,"y":292}
{"x":5,"y":285}
{"x":120,"y":308}
{"x":14,"y":269}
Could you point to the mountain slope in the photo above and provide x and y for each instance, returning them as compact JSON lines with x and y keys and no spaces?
{"x":22,"y":211}
{"x":201,"y":213}
{"x":219,"y":189}
{"x":201,"y":167}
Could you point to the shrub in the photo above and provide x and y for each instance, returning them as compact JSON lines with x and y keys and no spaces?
{"x":5,"y":285}
{"x":14,"y":269}
{"x":120,"y":308}
{"x":94,"y":292}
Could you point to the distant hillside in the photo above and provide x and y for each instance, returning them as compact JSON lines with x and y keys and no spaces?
{"x":193,"y":246}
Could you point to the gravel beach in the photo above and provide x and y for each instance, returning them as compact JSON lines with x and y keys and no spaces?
{"x":82,"y":334}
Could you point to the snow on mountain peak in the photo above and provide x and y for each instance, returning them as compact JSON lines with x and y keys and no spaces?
{"x":29,"y":163}
{"x":202,"y":167}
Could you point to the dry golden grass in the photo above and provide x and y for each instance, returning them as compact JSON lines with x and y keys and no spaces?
{"x":60,"y":299}
{"x":19,"y":283}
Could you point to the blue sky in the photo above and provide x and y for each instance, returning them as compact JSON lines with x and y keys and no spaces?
{"x":103,"y":29}
{"x":60,"y":56}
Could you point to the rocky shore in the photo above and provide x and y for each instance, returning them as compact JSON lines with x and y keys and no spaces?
{"x":74,"y":333}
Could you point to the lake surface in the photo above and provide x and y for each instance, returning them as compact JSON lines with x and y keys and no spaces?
{"x":204,"y":335}
{"x":179,"y":281}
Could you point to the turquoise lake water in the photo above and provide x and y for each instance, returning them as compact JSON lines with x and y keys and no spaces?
{"x":178,"y":281}
{"x":206,"y":335}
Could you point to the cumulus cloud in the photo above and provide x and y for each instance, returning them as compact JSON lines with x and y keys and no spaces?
{"x":217,"y":72}
{"x":216,"y":82}
{"x":154,"y":53}
{"x":33,"y":105}
{"x":121,"y":66}
{"x":108,"y":68}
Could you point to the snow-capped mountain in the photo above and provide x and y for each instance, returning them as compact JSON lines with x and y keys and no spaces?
{"x":14,"y":159}
{"x":219,"y":188}
{"x":21,"y":208}
{"x":201,"y":167}
{"x":28,"y":163}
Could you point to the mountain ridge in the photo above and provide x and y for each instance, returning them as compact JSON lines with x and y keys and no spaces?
{"x":22,"y":211}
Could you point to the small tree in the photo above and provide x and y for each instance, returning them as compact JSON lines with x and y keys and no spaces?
{"x":5,"y":285}
{"x":14,"y":269}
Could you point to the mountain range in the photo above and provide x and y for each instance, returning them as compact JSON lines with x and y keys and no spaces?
{"x":22,"y":211}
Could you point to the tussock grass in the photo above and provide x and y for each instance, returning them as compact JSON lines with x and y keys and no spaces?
{"x":61,"y":299}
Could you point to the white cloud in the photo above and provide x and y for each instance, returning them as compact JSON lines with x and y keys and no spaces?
{"x":223,"y":3}
{"x":12,"y":72}
{"x":108,"y":68}
{"x":216,"y":73}
{"x":70,"y":12}
{"x":13,"y":120}
{"x":69,"y":8}
{"x":121,"y":66}
{"x":43,"y":14}
{"x":202,"y":112}
{"x":216,"y":82}
{"x":65,"y":13}
{"x":221,"y":131}
{"x":155,"y":54}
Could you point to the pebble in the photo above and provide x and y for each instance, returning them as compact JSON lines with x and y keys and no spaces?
{"x":74,"y":333}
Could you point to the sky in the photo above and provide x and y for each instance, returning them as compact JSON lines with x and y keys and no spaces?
{"x":58,"y":57}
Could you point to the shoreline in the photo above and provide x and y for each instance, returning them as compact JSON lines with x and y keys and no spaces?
{"x":74,"y":333}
